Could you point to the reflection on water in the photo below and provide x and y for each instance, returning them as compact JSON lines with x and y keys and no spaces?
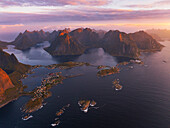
{"x":33,"y":56}
{"x":38,"y":56}
{"x":97,"y":56}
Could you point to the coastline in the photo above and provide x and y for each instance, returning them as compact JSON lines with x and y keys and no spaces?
{"x":3,"y":105}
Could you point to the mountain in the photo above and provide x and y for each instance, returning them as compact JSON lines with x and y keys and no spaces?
{"x":118,"y":43}
{"x":156,"y":37}
{"x":28,"y":39}
{"x":5,"y":83}
{"x":115,"y":43}
{"x":145,"y":42}
{"x":86,"y":36}
{"x":3,"y":44}
{"x":10,"y":83}
{"x":10,"y":64}
{"x":164,"y":34}
{"x":101,"y":33}
{"x":52,"y":36}
{"x":64,"y":44}
{"x":67,"y":42}
{"x":11,"y":72}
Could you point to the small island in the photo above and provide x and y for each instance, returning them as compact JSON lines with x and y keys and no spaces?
{"x":57,"y":122}
{"x":109,"y":71}
{"x":85,"y":104}
{"x":42,"y":92}
{"x":67,"y":65}
{"x":59,"y":113}
{"x":116,"y":84}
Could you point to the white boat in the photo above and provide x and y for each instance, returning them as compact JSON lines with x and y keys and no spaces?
{"x":85,"y":111}
{"x":56,"y":123}
{"x":53,"y":125}
{"x":41,"y":107}
{"x":27,"y":117}
{"x":118,"y":89}
{"x":92,"y":104}
{"x":131,"y":67}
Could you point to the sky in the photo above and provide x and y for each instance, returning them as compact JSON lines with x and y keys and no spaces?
{"x":124,"y":15}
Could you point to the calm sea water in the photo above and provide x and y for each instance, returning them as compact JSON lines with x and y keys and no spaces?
{"x":144,"y":101}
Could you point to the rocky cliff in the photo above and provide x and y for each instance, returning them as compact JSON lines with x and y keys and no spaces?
{"x":5,"y":82}
{"x":10,"y":64}
{"x":11,"y":72}
{"x":65,"y":44}
{"x":119,"y":43}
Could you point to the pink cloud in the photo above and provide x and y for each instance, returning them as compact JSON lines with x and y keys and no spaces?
{"x":4,"y":3}
{"x":82,"y":15}
{"x":154,"y":4}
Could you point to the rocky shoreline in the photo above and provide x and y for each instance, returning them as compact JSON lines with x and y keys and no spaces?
{"x":2,"y":105}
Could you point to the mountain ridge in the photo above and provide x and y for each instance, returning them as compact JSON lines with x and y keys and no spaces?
{"x":81,"y":39}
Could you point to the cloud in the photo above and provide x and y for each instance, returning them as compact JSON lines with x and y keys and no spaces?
{"x":9,"y":26}
{"x":5,"y":3}
{"x":164,"y":3}
{"x":82,"y":15}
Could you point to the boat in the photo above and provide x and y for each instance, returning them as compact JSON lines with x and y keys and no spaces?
{"x":59,"y":113}
{"x":27,"y":117}
{"x":131,"y":67}
{"x":56,"y":123}
{"x":92,"y":103}
{"x":56,"y":118}
{"x":41,"y":107}
{"x":118,"y":87}
{"x":84,"y":110}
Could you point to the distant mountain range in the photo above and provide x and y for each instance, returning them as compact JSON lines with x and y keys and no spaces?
{"x":76,"y":42}
{"x":159,"y":34}
{"x":28,"y":39}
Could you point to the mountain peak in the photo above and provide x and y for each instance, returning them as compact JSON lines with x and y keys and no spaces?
{"x":62,"y":32}
{"x":88,"y":29}
{"x":26,"y":31}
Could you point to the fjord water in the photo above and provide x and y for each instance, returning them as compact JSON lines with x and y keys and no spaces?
{"x":144,"y":101}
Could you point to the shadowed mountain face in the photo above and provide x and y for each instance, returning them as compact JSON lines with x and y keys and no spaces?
{"x":5,"y":82}
{"x":28,"y":39}
{"x":119,"y":44}
{"x":86,"y":36}
{"x":145,"y":42}
{"x":115,"y":43}
{"x":10,"y":64}
{"x":65,"y":44}
{"x":53,"y":35}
